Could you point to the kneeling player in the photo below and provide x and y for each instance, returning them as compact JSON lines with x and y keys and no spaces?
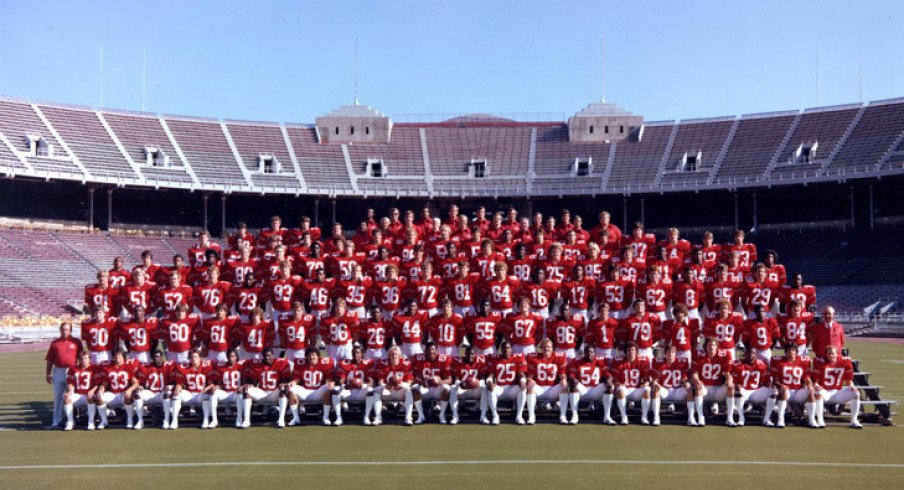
{"x":669,"y":380}
{"x":710,"y":381}
{"x":630,"y":379}
{"x":313,"y":382}
{"x":589,"y":380}
{"x":751,"y":377}
{"x":80,"y":390}
{"x":833,"y":382}
{"x":467,"y":381}
{"x":503,"y":382}
{"x":545,"y":380}
{"x":265,"y":384}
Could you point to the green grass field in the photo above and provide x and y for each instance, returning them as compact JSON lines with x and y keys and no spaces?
{"x":589,"y":455}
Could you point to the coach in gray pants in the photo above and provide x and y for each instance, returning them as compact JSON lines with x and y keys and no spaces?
{"x":61,"y":356}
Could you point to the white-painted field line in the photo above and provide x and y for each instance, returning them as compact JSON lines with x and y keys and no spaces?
{"x":454,"y":462}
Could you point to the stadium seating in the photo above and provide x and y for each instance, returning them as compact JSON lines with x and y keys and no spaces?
{"x":137,"y":132}
{"x":875,"y":133}
{"x":205,"y":146}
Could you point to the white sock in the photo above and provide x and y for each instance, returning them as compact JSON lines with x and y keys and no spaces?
{"x":730,"y":401}
{"x":645,"y":408}
{"x":368,"y":405}
{"x":453,"y":404}
{"x":130,"y":414}
{"x":855,"y":409}
{"x":419,"y":406}
{"x":102,"y":409}
{"x":283,"y":403}
{"x":770,"y":407}
{"x":246,"y":410}
{"x":326,"y":413}
{"x":563,"y":404}
{"x":698,"y":400}
{"x":92,"y":409}
{"x":782,"y":405}
{"x":521,"y":401}
{"x":166,"y":411}
{"x":810,"y":407}
{"x":531,"y":406}
{"x":67,"y":409}
{"x":691,"y":412}
{"x":138,"y":406}
{"x":239,"y":410}
{"x":575,"y":399}
{"x":443,"y":405}
{"x":175,"y":406}
{"x":378,"y":406}
{"x":740,"y":406}
{"x":212,"y":406}
{"x":493,"y":402}
{"x":337,"y":406}
{"x":656,"y":402}
{"x":623,"y":408}
{"x":409,"y":403}
{"x":607,"y":406}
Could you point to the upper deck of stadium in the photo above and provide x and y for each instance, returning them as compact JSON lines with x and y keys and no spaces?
{"x":435,"y":159}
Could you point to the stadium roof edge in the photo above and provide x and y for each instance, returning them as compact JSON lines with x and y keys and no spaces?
{"x":895,"y":100}
{"x":839,"y":107}
{"x":243,"y":122}
{"x":758,"y":115}
{"x":698,"y":120}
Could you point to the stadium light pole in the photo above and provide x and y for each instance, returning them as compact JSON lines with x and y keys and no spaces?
{"x":317,"y":213}
{"x":737,"y":224}
{"x":91,"y":207}
{"x":872,"y":217}
{"x":222,"y":215}
{"x":204,"y":200}
{"x":109,"y":208}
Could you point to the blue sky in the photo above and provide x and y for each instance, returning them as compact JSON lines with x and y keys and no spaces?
{"x":290,"y":61}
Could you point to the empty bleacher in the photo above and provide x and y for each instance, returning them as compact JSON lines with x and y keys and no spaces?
{"x":87,"y":138}
{"x":637,"y":162}
{"x":505,"y":148}
{"x":137,"y":132}
{"x":403,"y":156}
{"x":255,"y":139}
{"x":323,"y":166}
{"x":753,"y":146}
{"x":17,"y":120}
{"x":208,"y":152}
{"x":556,"y":155}
{"x":873,"y":136}
{"x":823,"y":127}
{"x":706,"y":137}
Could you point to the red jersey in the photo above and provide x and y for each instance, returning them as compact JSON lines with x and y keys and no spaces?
{"x":462,"y":370}
{"x":255,"y":338}
{"x":410,"y":329}
{"x":501,"y":292}
{"x":229,"y":378}
{"x":754,"y":293}
{"x":313,"y":376}
{"x":483,"y":330}
{"x":347,"y":370}
{"x":217,"y":334}
{"x":760,"y":335}
{"x":426,"y":291}
{"x":154,"y":378}
{"x":425,"y":369}
{"x":712,"y":371}
{"x":98,"y":298}
{"x":138,"y":337}
{"x":671,"y":375}
{"x":296,"y":334}
{"x":522,"y":329}
{"x":557,"y":271}
{"x":355,"y":291}
{"x":117,"y":379}
{"x":750,"y":376}
{"x":631,"y":374}
{"x":170,"y":298}
{"x":579,"y":293}
{"x":564,"y":333}
{"x":747,"y":253}
{"x":833,"y":376}
{"x":642,"y":246}
{"x":281,"y":293}
{"x":522,"y":269}
{"x":194,"y":379}
{"x":718,"y":291}
{"x":389,"y":294}
{"x":601,"y":333}
{"x":794,"y":329}
{"x":383,"y":370}
{"x":446,"y":332}
{"x":246,"y":299}
{"x":485,"y":264}
{"x":83,"y":379}
{"x":339,"y":331}
{"x":642,"y":331}
{"x":267,"y":376}
{"x":179,"y":334}
{"x":209,"y":296}
{"x":99,"y":335}
{"x":792,"y":374}
{"x":805,"y":294}
{"x":726,"y":331}
{"x":545,"y":371}
{"x":541,"y":294}
{"x":373,"y":334}
{"x":506,"y":370}
{"x":119,"y":278}
{"x":132,"y":296}
{"x":237,"y":271}
{"x":617,"y":294}
{"x":683,"y":335}
{"x":656,"y":296}
{"x":595,"y":268}
{"x":588,"y":373}
{"x":688,"y":294}
{"x":461,"y":290}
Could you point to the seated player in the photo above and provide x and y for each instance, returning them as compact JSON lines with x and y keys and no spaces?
{"x":265,"y":383}
{"x":312,"y":382}
{"x":630,"y":381}
{"x":192,"y":388}
{"x":467,"y":373}
{"x":153,"y":385}
{"x":114,"y":388}
{"x":351,"y":375}
{"x":791,"y":379}
{"x":710,"y":381}
{"x":545,"y":379}
{"x":564,"y":328}
{"x":432,"y":378}
{"x":589,"y":380}
{"x":669,"y":380}
{"x":392,"y":383}
{"x":503,"y":382}
{"x":751,"y":377}
{"x":373,"y":334}
{"x":833,"y":382}
{"x":446,"y":329}
{"x":80,"y":391}
{"x":226,"y":379}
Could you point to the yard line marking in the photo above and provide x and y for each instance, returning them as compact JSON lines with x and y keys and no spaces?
{"x":452,"y":462}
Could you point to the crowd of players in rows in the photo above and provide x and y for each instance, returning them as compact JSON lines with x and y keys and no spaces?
{"x":438,"y":311}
